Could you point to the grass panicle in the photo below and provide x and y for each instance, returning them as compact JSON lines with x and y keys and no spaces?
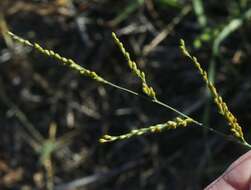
{"x":93,"y":75}
{"x":148,"y":90}
{"x":178,"y":122}
{"x":151,"y":95}
{"x":221,"y":105}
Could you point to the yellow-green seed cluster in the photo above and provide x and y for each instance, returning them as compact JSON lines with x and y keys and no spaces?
{"x":178,"y":122}
{"x":221,"y":105}
{"x":69,"y":62}
{"x":148,"y":90}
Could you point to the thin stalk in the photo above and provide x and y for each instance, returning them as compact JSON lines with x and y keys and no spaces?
{"x":175,"y":110}
{"x":152,"y":100}
{"x":123,"y":89}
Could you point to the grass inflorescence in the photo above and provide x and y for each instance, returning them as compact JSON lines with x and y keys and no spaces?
{"x":148,"y":90}
{"x":221,"y":105}
{"x":69,"y":62}
{"x":178,"y":122}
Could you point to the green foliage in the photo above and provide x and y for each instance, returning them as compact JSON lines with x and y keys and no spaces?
{"x":207,"y":36}
{"x":228,"y":29}
{"x":168,"y":3}
{"x":130,"y":8}
{"x":199,"y":11}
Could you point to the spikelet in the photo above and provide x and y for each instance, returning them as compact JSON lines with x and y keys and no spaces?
{"x":65,"y":61}
{"x":178,"y":122}
{"x":148,"y":90}
{"x":221,"y":105}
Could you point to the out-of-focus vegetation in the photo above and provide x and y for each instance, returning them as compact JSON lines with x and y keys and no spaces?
{"x":51,"y":118}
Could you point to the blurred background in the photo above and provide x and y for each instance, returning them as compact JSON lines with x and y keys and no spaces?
{"x":51,"y":117}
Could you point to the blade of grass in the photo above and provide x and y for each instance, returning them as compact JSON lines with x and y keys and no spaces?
{"x":200,"y":13}
{"x":131,"y":7}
